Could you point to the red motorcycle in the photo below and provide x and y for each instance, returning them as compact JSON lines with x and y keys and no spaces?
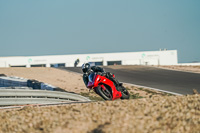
{"x":106,"y":88}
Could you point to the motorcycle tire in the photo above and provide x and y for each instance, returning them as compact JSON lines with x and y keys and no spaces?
{"x":95,"y":90}
{"x":125,"y":93}
{"x":105,"y":94}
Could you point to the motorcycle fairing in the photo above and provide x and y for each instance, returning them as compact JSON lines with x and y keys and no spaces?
{"x":101,"y":79}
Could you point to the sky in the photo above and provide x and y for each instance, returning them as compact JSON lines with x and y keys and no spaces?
{"x":60,"y":27}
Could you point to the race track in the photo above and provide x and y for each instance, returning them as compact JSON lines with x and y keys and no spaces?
{"x":167,"y":80}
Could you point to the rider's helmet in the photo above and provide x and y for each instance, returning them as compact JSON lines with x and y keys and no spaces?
{"x":85,"y":67}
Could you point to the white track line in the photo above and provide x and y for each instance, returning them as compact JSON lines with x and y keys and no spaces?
{"x":174,"y":93}
{"x":154,"y":89}
{"x":175,"y":70}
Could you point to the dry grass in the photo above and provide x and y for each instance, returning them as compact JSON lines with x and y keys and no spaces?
{"x":156,"y":114}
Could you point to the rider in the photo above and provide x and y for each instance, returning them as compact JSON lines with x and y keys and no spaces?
{"x":87,"y":70}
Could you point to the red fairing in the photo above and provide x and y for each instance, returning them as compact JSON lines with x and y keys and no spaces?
{"x":97,"y":80}
{"x":103,"y":80}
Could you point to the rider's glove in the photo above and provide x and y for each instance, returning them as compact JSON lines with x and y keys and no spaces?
{"x":98,"y":73}
{"x":90,"y":71}
{"x":103,"y":74}
{"x":108,"y":74}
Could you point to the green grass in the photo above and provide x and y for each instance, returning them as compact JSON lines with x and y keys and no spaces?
{"x":141,"y":88}
{"x":149,"y":91}
{"x":153,"y":93}
{"x":94,"y":98}
{"x":98,"y":98}
{"x":167,"y":94}
{"x":135,"y":96}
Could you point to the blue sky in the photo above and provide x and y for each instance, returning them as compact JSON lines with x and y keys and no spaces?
{"x":57,"y":27}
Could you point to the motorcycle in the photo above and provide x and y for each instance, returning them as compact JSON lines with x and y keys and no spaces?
{"x":106,"y":88}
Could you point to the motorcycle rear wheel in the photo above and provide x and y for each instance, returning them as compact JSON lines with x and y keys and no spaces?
{"x":105,"y":94}
{"x":125,"y":93}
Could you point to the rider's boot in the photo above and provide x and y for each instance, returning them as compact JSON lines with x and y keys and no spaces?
{"x":117,"y":84}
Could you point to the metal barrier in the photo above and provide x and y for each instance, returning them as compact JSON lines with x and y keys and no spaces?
{"x":20,"y":97}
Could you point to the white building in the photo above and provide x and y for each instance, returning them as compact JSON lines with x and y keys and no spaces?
{"x":166,"y":57}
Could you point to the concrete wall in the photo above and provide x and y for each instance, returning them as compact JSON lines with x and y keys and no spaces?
{"x":168,"y":57}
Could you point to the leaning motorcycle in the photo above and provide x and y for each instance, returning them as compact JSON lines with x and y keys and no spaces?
{"x":106,"y":88}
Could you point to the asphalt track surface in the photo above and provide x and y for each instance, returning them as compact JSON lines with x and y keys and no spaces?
{"x":163,"y":79}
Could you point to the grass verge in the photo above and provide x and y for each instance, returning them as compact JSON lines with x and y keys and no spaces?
{"x":92,"y":97}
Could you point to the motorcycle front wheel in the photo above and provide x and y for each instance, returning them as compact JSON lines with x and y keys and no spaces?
{"x":105,"y":94}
